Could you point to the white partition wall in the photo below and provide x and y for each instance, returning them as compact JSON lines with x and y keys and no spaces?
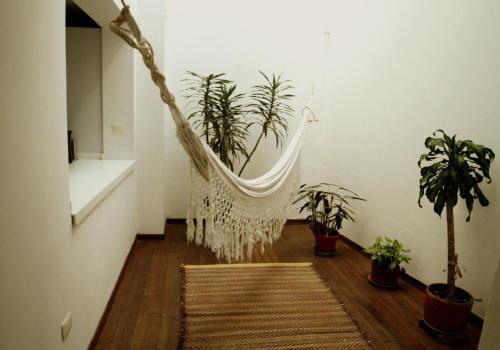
{"x":149,"y":123}
{"x":35,"y":249}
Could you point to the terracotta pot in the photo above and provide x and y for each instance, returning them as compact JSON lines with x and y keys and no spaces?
{"x":444,"y":316}
{"x":384,"y":277}
{"x":325,"y":245}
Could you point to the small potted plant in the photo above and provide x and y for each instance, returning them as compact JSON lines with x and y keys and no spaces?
{"x":387,"y":255}
{"x":451,"y":168}
{"x":328,"y":206}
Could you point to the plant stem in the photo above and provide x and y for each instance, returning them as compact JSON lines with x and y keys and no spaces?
{"x":251,"y":153}
{"x":452,"y":259}
{"x":264,"y":127}
{"x":206,"y":108}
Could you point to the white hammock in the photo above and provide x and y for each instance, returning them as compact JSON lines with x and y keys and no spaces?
{"x":226,"y":213}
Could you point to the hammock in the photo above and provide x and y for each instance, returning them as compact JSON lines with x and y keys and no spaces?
{"x":226,"y":213}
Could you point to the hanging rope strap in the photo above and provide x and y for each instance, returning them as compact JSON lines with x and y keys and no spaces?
{"x":185,"y":133}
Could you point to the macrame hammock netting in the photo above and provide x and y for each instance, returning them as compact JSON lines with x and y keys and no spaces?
{"x":226,"y":213}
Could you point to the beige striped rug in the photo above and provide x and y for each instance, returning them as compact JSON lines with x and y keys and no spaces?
{"x":262,"y":306}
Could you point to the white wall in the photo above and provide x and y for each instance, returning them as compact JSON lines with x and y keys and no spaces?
{"x":35,"y":253}
{"x":149,"y":123}
{"x":46,"y":268}
{"x":99,"y":250}
{"x":84,"y":87}
{"x":387,"y":76}
{"x":118,"y":67}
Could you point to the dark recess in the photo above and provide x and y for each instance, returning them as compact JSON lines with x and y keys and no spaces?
{"x":76,"y":17}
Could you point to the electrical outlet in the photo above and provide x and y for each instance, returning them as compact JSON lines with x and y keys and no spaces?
{"x":118,"y":128}
{"x":66,"y":326}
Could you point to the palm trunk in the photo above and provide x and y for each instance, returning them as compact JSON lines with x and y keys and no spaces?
{"x":452,"y":261}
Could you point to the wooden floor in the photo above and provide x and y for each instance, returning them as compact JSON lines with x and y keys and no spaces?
{"x":144,"y":313}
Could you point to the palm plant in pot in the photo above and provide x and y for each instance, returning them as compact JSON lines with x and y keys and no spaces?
{"x":451,"y":168}
{"x":387,"y":255}
{"x":328,"y":206}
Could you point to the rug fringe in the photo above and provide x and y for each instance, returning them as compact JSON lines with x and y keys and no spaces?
{"x":218,"y":266}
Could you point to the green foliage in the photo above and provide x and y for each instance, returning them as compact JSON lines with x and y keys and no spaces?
{"x":219,"y":113}
{"x":270,"y":110}
{"x":387,"y":252}
{"x":223,"y":119}
{"x":453,"y":167}
{"x":328,"y":205}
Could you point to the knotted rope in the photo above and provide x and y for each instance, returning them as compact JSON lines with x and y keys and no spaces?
{"x":185,"y":133}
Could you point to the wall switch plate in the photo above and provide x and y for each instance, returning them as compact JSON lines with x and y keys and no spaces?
{"x":66,"y":326}
{"x":118,"y":128}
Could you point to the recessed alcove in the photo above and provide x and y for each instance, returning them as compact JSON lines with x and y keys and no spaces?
{"x":99,"y":86}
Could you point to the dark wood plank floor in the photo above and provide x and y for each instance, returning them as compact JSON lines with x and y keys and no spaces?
{"x":144,"y":313}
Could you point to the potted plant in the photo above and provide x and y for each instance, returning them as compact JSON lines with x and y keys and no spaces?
{"x":387,"y":255}
{"x":328,"y":206}
{"x":451,"y":168}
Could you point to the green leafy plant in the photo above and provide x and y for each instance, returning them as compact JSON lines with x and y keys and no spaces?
{"x":270,"y":109}
{"x":224,"y":119}
{"x":328,"y":205}
{"x":387,"y":252}
{"x":451,"y":168}
{"x":220,"y":114}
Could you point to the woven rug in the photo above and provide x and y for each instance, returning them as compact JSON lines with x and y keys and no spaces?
{"x":262,"y":306}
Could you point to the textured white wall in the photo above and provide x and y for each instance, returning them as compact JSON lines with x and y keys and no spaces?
{"x":387,"y":76}
{"x":35,"y":249}
{"x":84,"y":87}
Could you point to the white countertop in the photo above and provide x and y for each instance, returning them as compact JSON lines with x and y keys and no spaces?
{"x":91,"y":180}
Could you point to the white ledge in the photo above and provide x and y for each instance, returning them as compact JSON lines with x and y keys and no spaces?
{"x":90,"y":181}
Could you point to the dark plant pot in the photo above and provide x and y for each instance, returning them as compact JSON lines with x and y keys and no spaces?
{"x":382,"y":276}
{"x":443,"y":316}
{"x":325,"y":245}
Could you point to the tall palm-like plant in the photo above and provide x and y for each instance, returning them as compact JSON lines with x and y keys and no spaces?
{"x":450,"y":168}
{"x":216,"y":109}
{"x":270,"y":110}
{"x":228,"y":129}
{"x":202,"y":99}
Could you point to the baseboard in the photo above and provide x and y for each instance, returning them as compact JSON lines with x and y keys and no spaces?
{"x":153,"y":237}
{"x":150,"y":237}
{"x":176,"y":221}
{"x":296,"y":222}
{"x":107,"y":309}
